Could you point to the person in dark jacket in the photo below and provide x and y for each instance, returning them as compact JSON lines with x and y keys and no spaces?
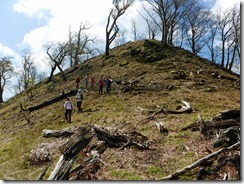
{"x":108,"y":85}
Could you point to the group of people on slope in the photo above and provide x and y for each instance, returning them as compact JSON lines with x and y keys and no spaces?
{"x":68,"y":105}
{"x":102,"y":83}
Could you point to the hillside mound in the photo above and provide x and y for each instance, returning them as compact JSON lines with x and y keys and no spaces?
{"x":157,"y":97}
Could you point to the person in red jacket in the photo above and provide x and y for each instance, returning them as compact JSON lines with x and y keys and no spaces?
{"x":101,"y":85}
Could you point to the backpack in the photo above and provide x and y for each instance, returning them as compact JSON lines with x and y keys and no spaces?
{"x":79,"y":96}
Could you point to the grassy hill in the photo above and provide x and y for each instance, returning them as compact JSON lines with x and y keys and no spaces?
{"x":163,"y":78}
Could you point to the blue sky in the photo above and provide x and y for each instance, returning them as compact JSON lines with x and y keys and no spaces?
{"x":32,"y":23}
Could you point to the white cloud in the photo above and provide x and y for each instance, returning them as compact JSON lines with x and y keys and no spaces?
{"x":224,"y":4}
{"x":5,"y":51}
{"x":60,"y":15}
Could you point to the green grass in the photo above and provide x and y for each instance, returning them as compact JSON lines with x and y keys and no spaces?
{"x":22,"y":132}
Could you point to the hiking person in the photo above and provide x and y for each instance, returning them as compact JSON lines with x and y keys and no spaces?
{"x":77,"y":80}
{"x":101,"y":85}
{"x":108,"y":85}
{"x":68,"y":106}
{"x":79,"y":98}
{"x":85,"y":82}
{"x":92,"y":88}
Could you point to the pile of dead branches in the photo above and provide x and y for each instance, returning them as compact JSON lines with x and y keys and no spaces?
{"x":87,"y":144}
{"x":224,"y":131}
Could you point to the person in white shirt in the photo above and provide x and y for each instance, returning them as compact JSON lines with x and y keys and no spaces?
{"x":68,"y":106}
{"x":79,"y":98}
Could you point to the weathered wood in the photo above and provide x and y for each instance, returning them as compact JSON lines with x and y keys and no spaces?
{"x":58,"y":133}
{"x":228,"y":114}
{"x":227,"y":137}
{"x":182,"y":171}
{"x":186,"y":108}
{"x":87,"y":168}
{"x":78,"y":141}
{"x":223,"y":120}
{"x":123,"y":140}
{"x":111,"y":139}
{"x":51,"y":101}
{"x":42,"y":174}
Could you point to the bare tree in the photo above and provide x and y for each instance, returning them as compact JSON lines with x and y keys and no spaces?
{"x":198,"y":25}
{"x":79,"y":45}
{"x":224,"y":27}
{"x":211,"y":43}
{"x":153,"y":26}
{"x":112,"y":29}
{"x":178,"y":11}
{"x":170,"y":17}
{"x":6,"y":72}
{"x":57,"y":54}
{"x":27,"y":74}
{"x":134,"y":29}
{"x":236,"y":34}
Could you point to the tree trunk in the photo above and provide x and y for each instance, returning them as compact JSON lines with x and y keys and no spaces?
{"x":49,"y":102}
{"x":78,"y":141}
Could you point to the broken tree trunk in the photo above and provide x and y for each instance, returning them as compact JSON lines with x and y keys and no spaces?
{"x":58,"y":133}
{"x":78,"y":141}
{"x":121,"y":140}
{"x":49,"y":102}
{"x":180,"y":172}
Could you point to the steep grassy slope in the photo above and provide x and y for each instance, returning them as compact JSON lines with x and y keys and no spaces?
{"x":165,"y":78}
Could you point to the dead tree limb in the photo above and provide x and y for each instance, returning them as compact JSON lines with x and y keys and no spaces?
{"x":58,"y":133}
{"x":123,"y":140}
{"x":78,"y":141}
{"x":42,"y":174}
{"x":49,"y":102}
{"x":180,"y":172}
{"x":186,"y":108}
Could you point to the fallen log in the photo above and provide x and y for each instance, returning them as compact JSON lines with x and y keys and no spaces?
{"x":51,"y":101}
{"x":78,"y":141}
{"x":228,"y":114}
{"x":88,"y":168}
{"x":123,"y":140}
{"x":58,"y":133}
{"x":175,"y":175}
{"x":84,"y":140}
{"x":223,"y":120}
